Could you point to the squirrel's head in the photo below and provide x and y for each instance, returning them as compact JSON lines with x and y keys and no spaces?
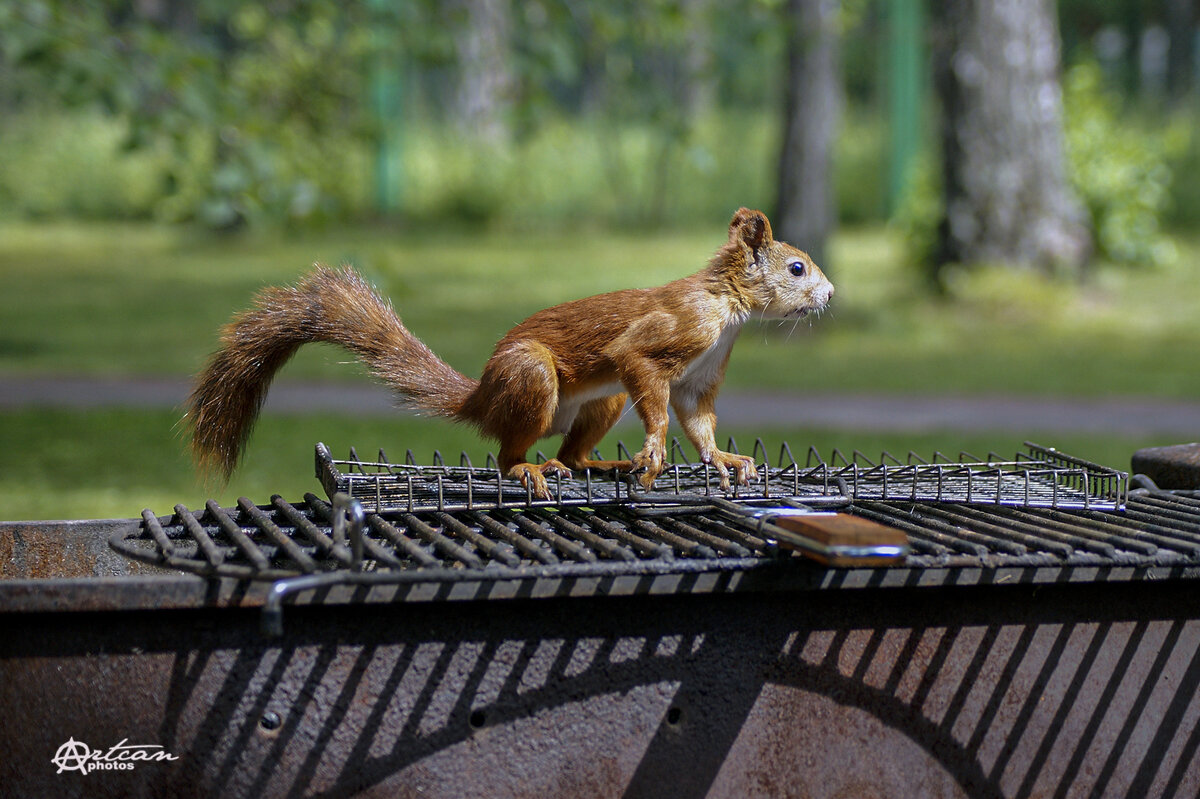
{"x":776,"y":278}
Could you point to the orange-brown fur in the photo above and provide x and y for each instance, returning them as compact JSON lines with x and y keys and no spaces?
{"x":567,"y":369}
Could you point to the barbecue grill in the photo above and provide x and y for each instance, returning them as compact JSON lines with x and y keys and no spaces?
{"x":447,"y":632}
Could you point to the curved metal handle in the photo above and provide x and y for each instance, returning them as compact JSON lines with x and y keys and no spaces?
{"x":345,"y":506}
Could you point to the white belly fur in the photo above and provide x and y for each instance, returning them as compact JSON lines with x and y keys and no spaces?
{"x":564,"y":415}
{"x":705,"y":371}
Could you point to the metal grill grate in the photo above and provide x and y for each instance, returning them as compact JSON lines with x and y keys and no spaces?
{"x":305,"y":545}
{"x":1039,"y":477}
{"x":282,"y":539}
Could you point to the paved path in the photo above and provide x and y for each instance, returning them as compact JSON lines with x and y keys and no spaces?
{"x":1014,"y":414}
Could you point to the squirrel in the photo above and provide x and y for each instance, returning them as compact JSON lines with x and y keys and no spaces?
{"x":568,"y":369}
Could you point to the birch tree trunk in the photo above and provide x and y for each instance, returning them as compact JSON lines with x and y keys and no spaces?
{"x":805,"y":209}
{"x":1007,"y":197}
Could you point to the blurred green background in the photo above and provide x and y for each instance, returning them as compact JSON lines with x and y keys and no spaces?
{"x":160,"y":161}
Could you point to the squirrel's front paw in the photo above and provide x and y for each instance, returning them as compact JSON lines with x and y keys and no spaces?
{"x":742,"y":465}
{"x":649,"y":462}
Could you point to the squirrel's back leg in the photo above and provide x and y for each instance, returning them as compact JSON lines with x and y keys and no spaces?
{"x":517,"y":396}
{"x":595,"y":418}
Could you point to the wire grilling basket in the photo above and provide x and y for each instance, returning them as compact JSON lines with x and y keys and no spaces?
{"x":1038,"y":477}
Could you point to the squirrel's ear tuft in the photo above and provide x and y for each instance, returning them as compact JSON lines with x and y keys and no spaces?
{"x":751,"y":228}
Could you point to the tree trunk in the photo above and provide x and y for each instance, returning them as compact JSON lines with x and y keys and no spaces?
{"x":699,"y":70}
{"x":485,"y":69}
{"x":1181,"y":47}
{"x":805,"y":211}
{"x":1007,"y":198}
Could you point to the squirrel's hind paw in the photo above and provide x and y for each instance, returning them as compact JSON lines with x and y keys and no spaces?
{"x":533,"y":476}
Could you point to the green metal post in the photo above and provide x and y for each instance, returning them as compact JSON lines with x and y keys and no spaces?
{"x":385,"y":88}
{"x":905,"y":93}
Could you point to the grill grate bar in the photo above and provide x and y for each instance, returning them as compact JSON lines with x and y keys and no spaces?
{"x":925,"y":515}
{"x":1164,"y":537}
{"x":495,"y":551}
{"x":1027,"y":535}
{"x":527,"y":547}
{"x":564,"y":545}
{"x":212,"y":553}
{"x":441,"y":542}
{"x":678,"y":543}
{"x":150,"y":522}
{"x":1164,"y":516}
{"x":922,"y":538}
{"x":609,"y":548}
{"x":234,"y":530}
{"x":1180,"y":500}
{"x":1108,"y":537}
{"x":751,"y":542}
{"x":277,"y":536}
{"x":1163,"y":526}
{"x":604,"y":526}
{"x":1172,"y":513}
{"x":718,"y":543}
{"x":398,"y":539}
{"x":324,"y":545}
{"x":1033,"y":527}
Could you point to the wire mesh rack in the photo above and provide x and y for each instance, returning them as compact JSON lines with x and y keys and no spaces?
{"x":1037,"y":477}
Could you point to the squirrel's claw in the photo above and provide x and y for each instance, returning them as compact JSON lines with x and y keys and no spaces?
{"x":533,"y":476}
{"x":649,"y":464}
{"x":743,"y":467}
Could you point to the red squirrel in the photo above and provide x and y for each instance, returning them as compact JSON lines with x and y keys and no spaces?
{"x":568,"y":369}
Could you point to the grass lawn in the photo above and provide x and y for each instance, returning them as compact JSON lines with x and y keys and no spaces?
{"x":149,"y":300}
{"x":146,"y":300}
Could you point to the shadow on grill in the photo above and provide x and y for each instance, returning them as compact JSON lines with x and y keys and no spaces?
{"x":975,"y":698}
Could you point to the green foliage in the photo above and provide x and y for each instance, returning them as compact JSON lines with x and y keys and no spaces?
{"x":565,"y":171}
{"x":1184,"y":209}
{"x":254,"y":108}
{"x":919,"y":214}
{"x":592,"y":172}
{"x":859,"y":170}
{"x":228,"y":114}
{"x":1121,"y":169}
{"x":63,"y":163}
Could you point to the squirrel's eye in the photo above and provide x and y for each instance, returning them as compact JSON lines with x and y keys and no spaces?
{"x":797,"y":268}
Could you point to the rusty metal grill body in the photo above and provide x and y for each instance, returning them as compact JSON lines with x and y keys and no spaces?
{"x":659,"y":641}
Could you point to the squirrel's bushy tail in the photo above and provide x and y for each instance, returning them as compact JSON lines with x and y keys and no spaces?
{"x":330,"y":305}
